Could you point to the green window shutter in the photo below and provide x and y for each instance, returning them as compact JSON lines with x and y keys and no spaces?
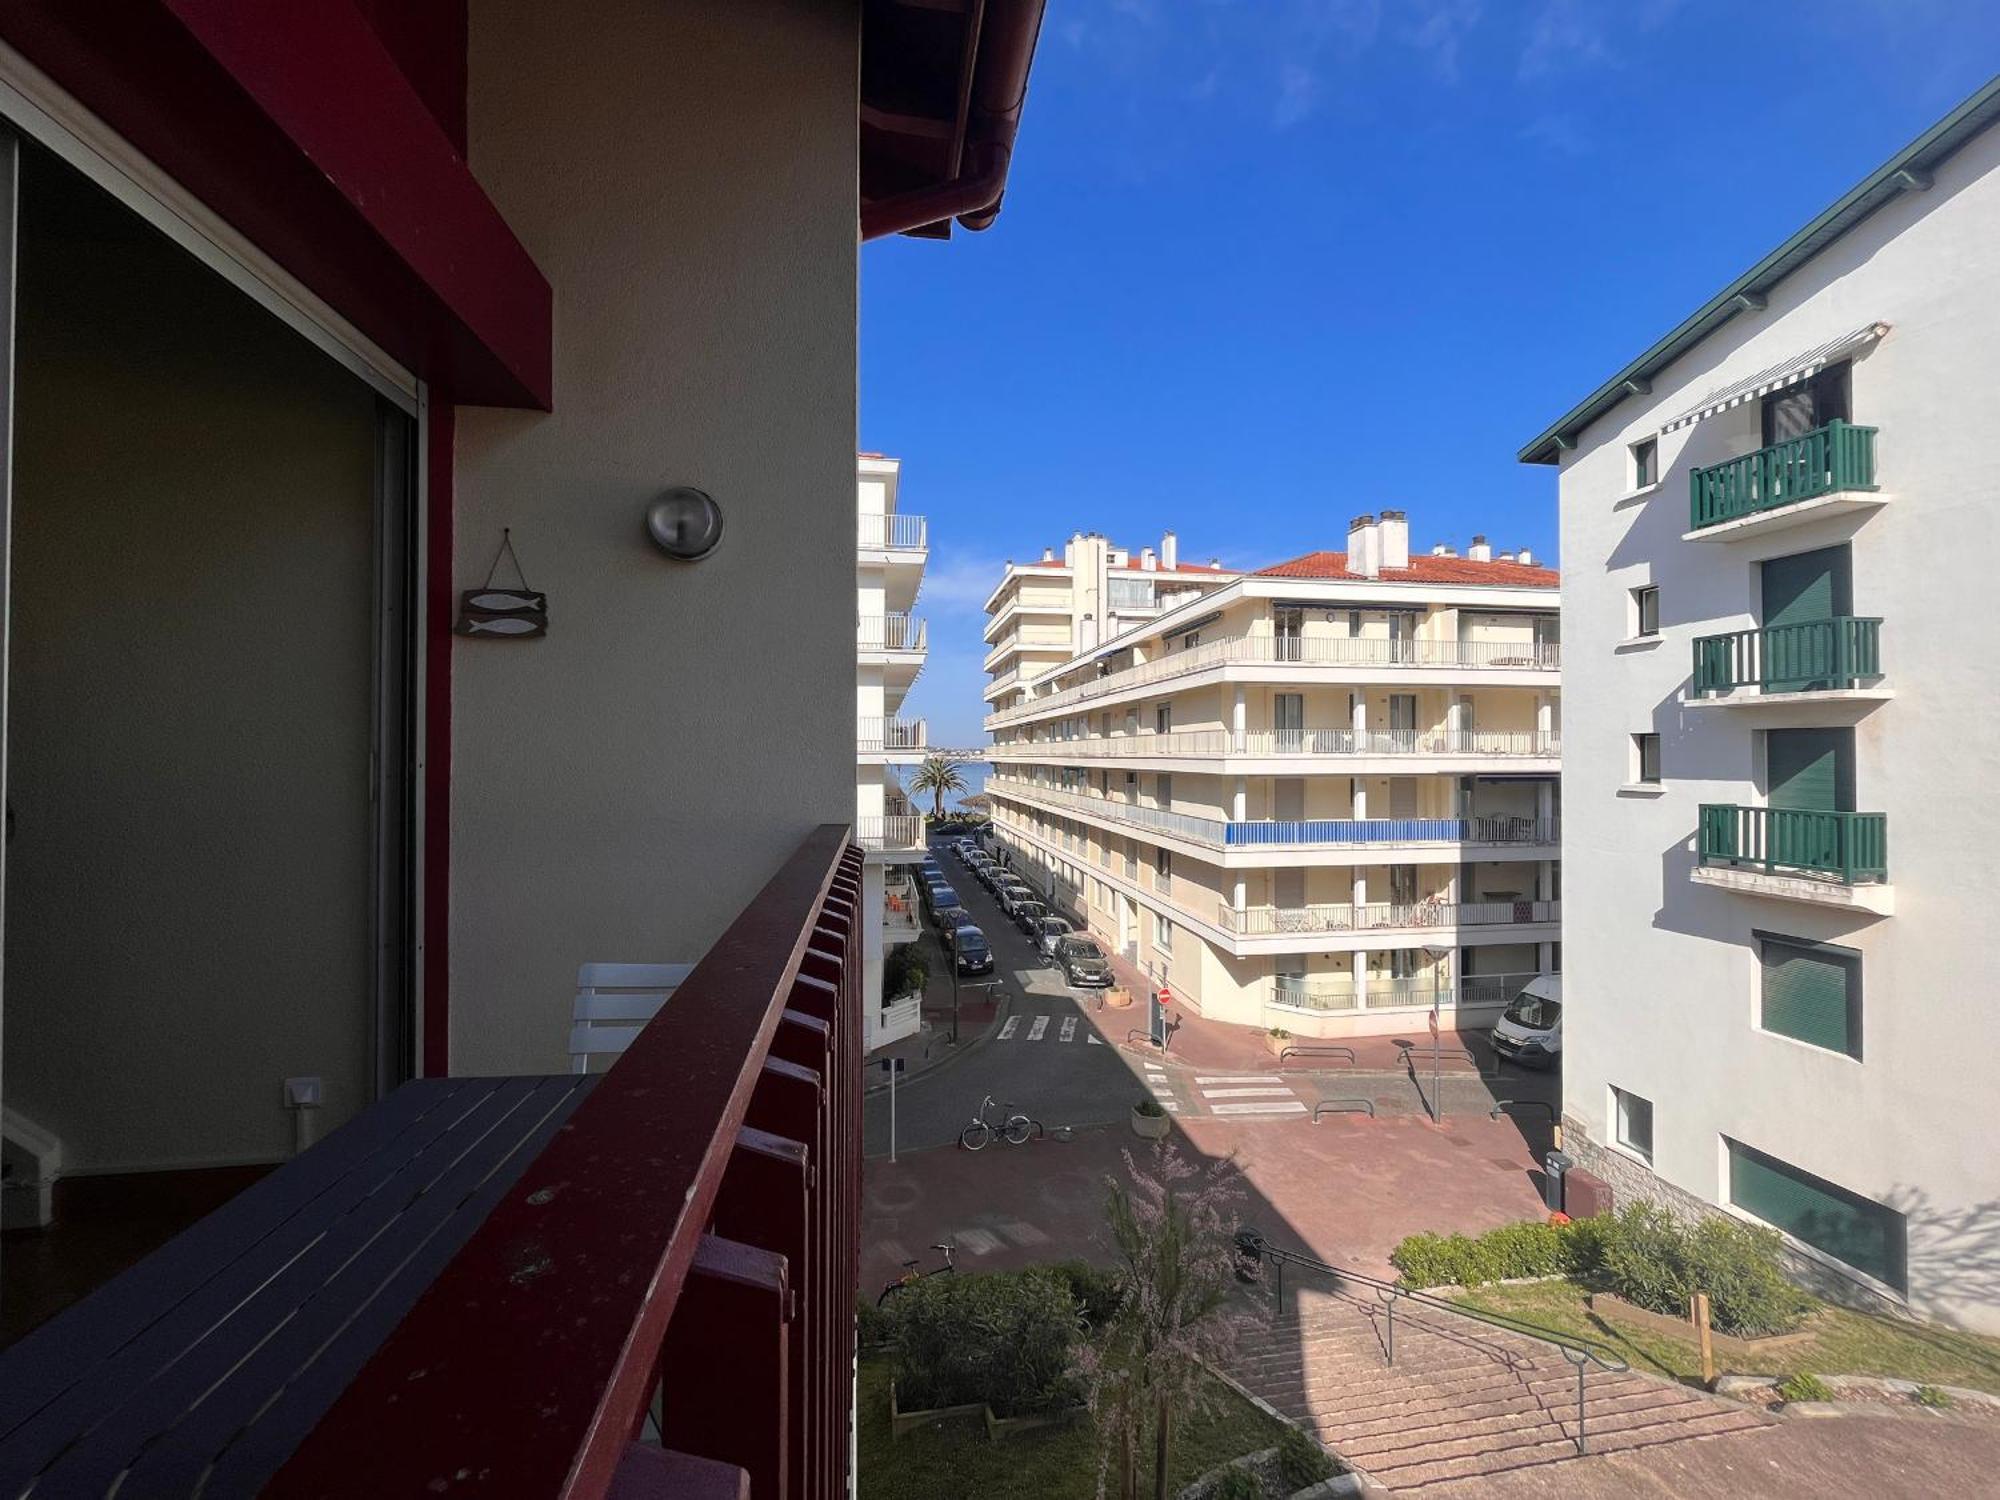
{"x":1812,"y":995}
{"x":1811,"y":768}
{"x":1807,"y":586}
{"x":1854,"y":1230}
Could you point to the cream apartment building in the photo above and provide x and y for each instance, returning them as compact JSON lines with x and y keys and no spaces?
{"x":1042,"y":613}
{"x":890,"y":644}
{"x":1777,"y":524}
{"x":1323,"y":796}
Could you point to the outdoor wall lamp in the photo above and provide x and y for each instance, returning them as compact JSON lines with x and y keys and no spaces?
{"x":685,"y":524}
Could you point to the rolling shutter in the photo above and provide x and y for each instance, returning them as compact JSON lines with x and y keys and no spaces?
{"x":1811,"y":768}
{"x":1852,"y":1229}
{"x":1812,"y":994}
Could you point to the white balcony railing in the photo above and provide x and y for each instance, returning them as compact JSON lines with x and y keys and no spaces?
{"x":1496,"y":656}
{"x":892,"y":632}
{"x":1337,"y":992}
{"x":1196,"y":744}
{"x":881,"y":736}
{"x":894,"y":832}
{"x":1267,"y":921}
{"x":894,"y":533}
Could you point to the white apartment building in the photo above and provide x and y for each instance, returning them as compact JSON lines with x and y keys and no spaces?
{"x":890,"y":643}
{"x":1322,"y":796}
{"x":1042,"y":613}
{"x":1774,"y":525}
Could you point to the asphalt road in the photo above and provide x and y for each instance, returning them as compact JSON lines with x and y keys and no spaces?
{"x":1057,"y":1081}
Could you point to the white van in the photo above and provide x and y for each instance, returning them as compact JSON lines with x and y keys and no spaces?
{"x":1530,"y":1029}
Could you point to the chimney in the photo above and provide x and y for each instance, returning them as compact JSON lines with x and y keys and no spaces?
{"x":1087,"y":630}
{"x":1170,"y":551}
{"x":1364,"y":543}
{"x":1147,"y":562}
{"x":1506,"y":557}
{"x":1479,"y":551}
{"x":1048,"y":554}
{"x":1395,"y":539}
{"x":1527,"y":558}
{"x":1440,"y":550}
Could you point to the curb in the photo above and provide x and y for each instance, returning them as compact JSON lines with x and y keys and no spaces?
{"x":971,"y":1046}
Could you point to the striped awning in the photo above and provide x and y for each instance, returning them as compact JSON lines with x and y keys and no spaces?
{"x":1778,"y":376}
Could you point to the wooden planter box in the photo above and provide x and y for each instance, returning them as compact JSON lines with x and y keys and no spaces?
{"x":1728,"y":1347}
{"x":1277,"y":1044}
{"x":998,"y":1429}
{"x":1118,"y":998}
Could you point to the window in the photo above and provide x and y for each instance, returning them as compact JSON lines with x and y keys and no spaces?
{"x":1163,"y":718}
{"x":1646,"y":610}
{"x":1163,"y":791}
{"x":1646,"y":759}
{"x":1854,"y":1230}
{"x":1163,"y":869}
{"x":1634,"y":1117}
{"x":1810,"y":992}
{"x":1191,"y":640}
{"x":1163,"y":937}
{"x":1645,"y":463}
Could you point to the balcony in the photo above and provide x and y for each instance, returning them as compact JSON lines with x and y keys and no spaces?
{"x":1333,"y":993}
{"x":892,"y":633}
{"x":1389,"y":918}
{"x":1447,"y":837}
{"x":1287,"y":745}
{"x":881,"y":741}
{"x":896,"y":836}
{"x":1797,"y":854}
{"x":899,"y":913}
{"x":895,"y":532}
{"x":1828,"y":469}
{"x":1310,"y":659}
{"x":1815,"y":662}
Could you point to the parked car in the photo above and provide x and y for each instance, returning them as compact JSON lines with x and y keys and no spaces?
{"x":970,"y":951}
{"x":1529,"y":1031}
{"x":1028,"y":915}
{"x":1012,"y":892}
{"x":950,"y":918}
{"x":1052,"y":931}
{"x":938,"y":895}
{"x":1083,"y":963}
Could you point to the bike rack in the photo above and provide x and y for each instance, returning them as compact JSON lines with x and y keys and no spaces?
{"x":1343,"y":1106}
{"x":1346,"y":1052}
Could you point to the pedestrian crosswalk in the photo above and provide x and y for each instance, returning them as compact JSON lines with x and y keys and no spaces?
{"x":1247,"y":1094}
{"x":1160,"y":1084}
{"x":1038,"y":1030}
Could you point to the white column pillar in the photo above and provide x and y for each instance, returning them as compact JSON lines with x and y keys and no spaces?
{"x":1360,"y":895}
{"x":1545,"y":714}
{"x":1360,"y":979}
{"x":1239,"y":894}
{"x":1239,"y":802}
{"x":1360,"y":715}
{"x":1238,"y":716}
{"x":1360,"y":798}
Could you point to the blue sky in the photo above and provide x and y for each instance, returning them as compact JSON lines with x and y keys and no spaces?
{"x":1266,"y":264}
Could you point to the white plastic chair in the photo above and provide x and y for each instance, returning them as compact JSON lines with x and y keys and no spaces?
{"x":614,"y":1002}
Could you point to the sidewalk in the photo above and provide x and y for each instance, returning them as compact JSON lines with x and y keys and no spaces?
{"x":1222,"y":1047}
{"x":979,"y":1011}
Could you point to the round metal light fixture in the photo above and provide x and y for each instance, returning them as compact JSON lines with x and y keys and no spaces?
{"x":685,"y":524}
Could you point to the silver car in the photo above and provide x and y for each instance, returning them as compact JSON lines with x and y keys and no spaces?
{"x":1054,"y":930}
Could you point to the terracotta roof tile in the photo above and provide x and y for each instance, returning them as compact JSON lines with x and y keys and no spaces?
{"x":1422,"y":569}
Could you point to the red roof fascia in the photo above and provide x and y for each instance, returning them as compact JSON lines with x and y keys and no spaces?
{"x":1425,"y":569}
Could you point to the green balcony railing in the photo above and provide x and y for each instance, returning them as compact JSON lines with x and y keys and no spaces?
{"x":1852,"y":847}
{"x":1838,"y":456}
{"x":1811,"y":656}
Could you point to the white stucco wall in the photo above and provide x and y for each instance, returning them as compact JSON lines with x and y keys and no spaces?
{"x":621,"y":789}
{"x":1662,"y":974}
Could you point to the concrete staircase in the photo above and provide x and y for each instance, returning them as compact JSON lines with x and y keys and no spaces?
{"x":1463,"y":1400}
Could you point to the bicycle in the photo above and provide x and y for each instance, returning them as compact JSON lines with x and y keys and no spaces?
{"x":911,"y":1275}
{"x":1015,"y":1130}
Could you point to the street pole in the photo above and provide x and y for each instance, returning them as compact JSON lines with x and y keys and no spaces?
{"x":893,"y":1071}
{"x":954,"y":998}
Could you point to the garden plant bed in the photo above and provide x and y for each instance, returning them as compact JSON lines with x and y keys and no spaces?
{"x":1841,"y":1341}
{"x":1051,"y":1463}
{"x":1871,"y":1394}
{"x":903,"y":1422}
{"x":1752,"y":1354}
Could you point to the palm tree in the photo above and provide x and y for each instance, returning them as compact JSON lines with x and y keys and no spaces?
{"x":940,"y":778}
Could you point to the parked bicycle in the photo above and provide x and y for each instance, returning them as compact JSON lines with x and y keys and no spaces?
{"x":1014,"y":1129}
{"x":911,"y":1275}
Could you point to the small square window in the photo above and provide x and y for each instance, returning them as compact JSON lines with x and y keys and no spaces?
{"x":1646,"y":758}
{"x":1635,"y":1124}
{"x":1646,"y":611}
{"x":1645,"y":463}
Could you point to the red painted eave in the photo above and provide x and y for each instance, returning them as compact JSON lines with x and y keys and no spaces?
{"x":294,"y":123}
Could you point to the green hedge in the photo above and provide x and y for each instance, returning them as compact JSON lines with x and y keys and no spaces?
{"x":1006,"y":1339}
{"x":1642,"y":1253}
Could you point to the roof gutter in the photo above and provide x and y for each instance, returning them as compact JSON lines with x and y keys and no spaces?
{"x":1007,"y":36}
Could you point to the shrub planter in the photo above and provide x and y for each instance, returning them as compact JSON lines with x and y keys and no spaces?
{"x":901,"y":1421}
{"x":997,"y":1428}
{"x":1149,"y":1127}
{"x":1276,"y":1042}
{"x":1118,"y":997}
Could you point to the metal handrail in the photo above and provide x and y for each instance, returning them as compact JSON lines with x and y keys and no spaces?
{"x":1581,"y":1353}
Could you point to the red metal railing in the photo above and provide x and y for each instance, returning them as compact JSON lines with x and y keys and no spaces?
{"x":687,"y":1247}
